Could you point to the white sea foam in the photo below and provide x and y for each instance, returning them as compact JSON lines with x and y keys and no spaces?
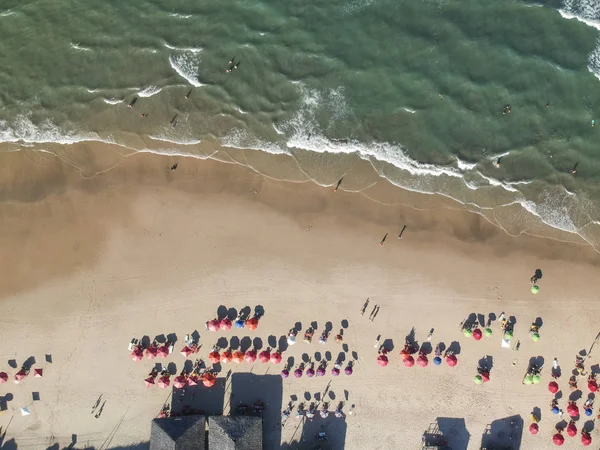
{"x":112,"y":101}
{"x":184,"y":49}
{"x":7,"y":13}
{"x":176,"y":140}
{"x":91,"y":91}
{"x":80,"y":47}
{"x":181,"y":16}
{"x":149,"y":91}
{"x":187,"y":66}
{"x":243,"y":140}
{"x":463,"y":165}
{"x":408,"y":110}
{"x":25,"y":131}
{"x":588,"y":12}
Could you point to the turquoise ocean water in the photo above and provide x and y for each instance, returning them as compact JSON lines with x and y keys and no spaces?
{"x":416,"y":88}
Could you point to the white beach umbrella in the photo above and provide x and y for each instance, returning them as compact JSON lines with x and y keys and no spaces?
{"x":25,"y":411}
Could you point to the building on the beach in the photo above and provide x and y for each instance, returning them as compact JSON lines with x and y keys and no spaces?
{"x":198,"y":432}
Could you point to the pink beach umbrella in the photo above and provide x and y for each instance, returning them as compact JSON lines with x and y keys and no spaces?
{"x":285,"y":373}
{"x":553,"y":387}
{"x":214,"y":357}
{"x":477,"y":335}
{"x":422,"y":361}
{"x":298,"y":372}
{"x":558,"y":439}
{"x":409,"y":362}
{"x":321,"y":371}
{"x":137,"y":354}
{"x":250,"y":356}
{"x":225,"y":324}
{"x":586,"y":439}
{"x":149,"y":382}
{"x":179,"y":382}
{"x":214,"y":325}
{"x":276,"y":358}
{"x":534,"y":428}
{"x":192,"y":380}
{"x":209,"y":380}
{"x":186,"y":351}
{"x":226,"y":357}
{"x":3,"y":377}
{"x":348,"y":370}
{"x":238,"y":357}
{"x":573,"y":410}
{"x":335,"y":371}
{"x":592,"y":386}
{"x":38,"y":373}
{"x":264,"y":356}
{"x":163,"y":351}
{"x":151,"y":352}
{"x":485,"y":377}
{"x":451,"y":360}
{"x":164,"y":382}
{"x":310,"y":372}
{"x":382,"y":360}
{"x":252,"y":324}
{"x":20,"y":375}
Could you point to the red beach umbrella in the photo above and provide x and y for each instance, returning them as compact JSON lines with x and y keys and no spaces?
{"x":226,"y":357}
{"x":422,"y":361}
{"x":151,"y":352}
{"x":264,"y":356}
{"x":19,"y":376}
{"x":237,"y":357}
{"x":214,"y":357}
{"x":276,"y":358}
{"x":149,"y":382}
{"x":451,"y":360}
{"x":592,"y":386}
{"x":558,"y":439}
{"x":553,"y":387}
{"x":404,"y":353}
{"x":250,"y":356}
{"x":586,"y":439}
{"x":186,"y":351}
{"x":572,"y":430}
{"x":214,"y":325}
{"x":477,"y":334}
{"x":209,"y":380}
{"x":572,"y":410}
{"x":179,"y":382}
{"x":38,"y":373}
{"x":137,"y":354}
{"x":164,"y":382}
{"x":192,"y":380}
{"x":533,"y":428}
{"x":485,"y":377}
{"x":163,"y":351}
{"x":3,"y":377}
{"x":382,"y":360}
{"x":225,"y":324}
{"x":409,"y":362}
{"x":252,"y":324}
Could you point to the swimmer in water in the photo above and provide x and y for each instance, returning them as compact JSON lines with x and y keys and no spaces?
{"x":236,"y":65}
{"x":593,"y":122}
{"x":547,"y":105}
{"x":174,"y":121}
{"x":144,"y":115}
{"x":188,"y":94}
{"x":231,"y":61}
{"x":574,"y":169}
{"x":497,"y":163}
{"x":132,"y":102}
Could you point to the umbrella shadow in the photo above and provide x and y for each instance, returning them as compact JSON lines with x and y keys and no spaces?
{"x":454,"y":348}
{"x":537,"y":412}
{"x":158,"y":367}
{"x":481,"y":320}
{"x":231,"y":314}
{"x":145,"y":341}
{"x":388,"y":345}
{"x":259,"y":311}
{"x":537,"y":361}
{"x":257,"y":343}
{"x":442,"y":347}
{"x":355,"y":356}
{"x":317,"y":396}
{"x":234,"y":342}
{"x":328,"y":326}
{"x":426,"y":348}
{"x":29,"y":362}
{"x":318,"y":356}
{"x":560,"y":426}
{"x":222,"y":312}
{"x":217,"y":368}
{"x":328,"y":356}
{"x":487,"y":362}
{"x":298,"y":327}
{"x":538,"y":274}
{"x":195,"y":336}
{"x":341,"y":357}
{"x":307,"y":396}
{"x":589,"y":426}
{"x":245,"y":313}
{"x":331,"y":395}
{"x":538,"y":322}
{"x":222,"y":342}
{"x":245,"y":344}
{"x":12,"y":363}
{"x":160,"y":338}
{"x":314,"y":325}
{"x":512,"y":321}
{"x":345,"y":347}
{"x":595,"y":369}
{"x":290,"y":361}
{"x":282,"y":345}
{"x":172,"y":368}
{"x":345,"y":323}
{"x":188,"y":366}
{"x":305,"y":357}
{"x":410,"y":337}
{"x":558,"y":395}
{"x":272,"y":341}
{"x":575,"y":395}
{"x":491,"y":318}
{"x":172,"y":338}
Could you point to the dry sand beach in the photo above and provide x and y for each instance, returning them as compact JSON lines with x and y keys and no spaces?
{"x":90,"y":261}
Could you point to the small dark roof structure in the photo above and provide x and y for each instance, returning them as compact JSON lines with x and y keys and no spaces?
{"x":178,"y":433}
{"x":235,"y":433}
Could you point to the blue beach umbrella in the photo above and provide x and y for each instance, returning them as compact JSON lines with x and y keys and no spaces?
{"x":588,"y":412}
{"x":555,"y":410}
{"x":437,"y":360}
{"x":239,"y":323}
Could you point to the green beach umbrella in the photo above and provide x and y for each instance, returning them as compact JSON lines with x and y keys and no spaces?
{"x":468,"y":332}
{"x":528,"y":379}
{"x":487,"y":332}
{"x":508,"y":334}
{"x":478,"y":379}
{"x":535,"y":289}
{"x":535,"y":337}
{"x":536,"y":379}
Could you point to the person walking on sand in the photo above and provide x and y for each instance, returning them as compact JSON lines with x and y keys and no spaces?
{"x":383,"y":240}
{"x":364,"y":307}
{"x":402,"y":232}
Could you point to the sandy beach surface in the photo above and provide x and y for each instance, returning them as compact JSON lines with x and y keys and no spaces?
{"x":88,"y":263}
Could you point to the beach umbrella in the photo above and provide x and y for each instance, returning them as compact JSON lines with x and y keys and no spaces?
{"x":250,"y":356}
{"x":252,"y":324}
{"x":19,"y":376}
{"x":478,"y":379}
{"x":572,"y":410}
{"x":163,"y":351}
{"x":592,"y":386}
{"x":192,"y":380}
{"x":348,"y":370}
{"x":405,"y":353}
{"x":485,"y":377}
{"x":214,"y":357}
{"x":382,"y":360}
{"x":276,"y":358}
{"x":240,"y":323}
{"x":298,"y":372}
{"x":310,"y":372}
{"x":451,"y":360}
{"x":335,"y":371}
{"x":37,"y":373}
{"x":422,"y":361}
{"x":586,"y":439}
{"x":535,"y":289}
{"x":3,"y":377}
{"x":535,"y":337}
{"x":409,"y":362}
{"x":555,"y":410}
{"x":149,"y":382}
{"x":237,"y":357}
{"x":558,"y":439}
{"x":508,"y":334}
{"x":477,"y":334}
{"x":186,"y":351}
{"x":25,"y":411}
{"x":572,"y":430}
{"x":179,"y":382}
{"x":589,"y":412}
{"x":285,"y":373}
{"x":437,"y":360}
{"x":151,"y":352}
{"x":164,"y":382}
{"x":553,"y":387}
{"x":468,"y":332}
{"x":213,"y":325}
{"x":137,"y":354}
{"x":209,"y":379}
{"x":528,"y":379}
{"x":536,"y":379}
{"x":226,"y":357}
{"x":534,"y":428}
{"x":487,"y":332}
{"x":291,"y":340}
{"x":264,"y":356}
{"x":321,"y":371}
{"x":225,"y":324}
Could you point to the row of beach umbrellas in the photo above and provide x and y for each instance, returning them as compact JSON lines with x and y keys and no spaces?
{"x":21,"y":375}
{"x":559,"y":439}
{"x":226,"y":324}
{"x":408,"y":360}
{"x":208,"y":379}
{"x":250,"y":356}
{"x":320,"y":372}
